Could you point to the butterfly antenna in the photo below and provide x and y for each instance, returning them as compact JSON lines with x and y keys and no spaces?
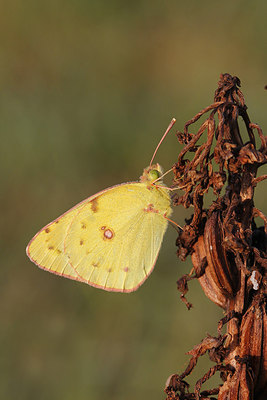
{"x":161,"y":140}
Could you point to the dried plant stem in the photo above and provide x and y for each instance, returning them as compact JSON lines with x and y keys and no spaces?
{"x":228,"y":249}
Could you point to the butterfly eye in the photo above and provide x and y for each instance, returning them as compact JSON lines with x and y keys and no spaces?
{"x":154,"y":174}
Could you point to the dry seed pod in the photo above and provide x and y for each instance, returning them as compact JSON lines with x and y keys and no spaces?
{"x":253,"y":343}
{"x":251,"y":338}
{"x":250,"y":376}
{"x":261,"y":386}
{"x":239,"y":386}
{"x":224,"y":272}
{"x":206,"y":281}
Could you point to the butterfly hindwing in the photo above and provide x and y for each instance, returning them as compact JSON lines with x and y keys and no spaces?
{"x":113,"y":241}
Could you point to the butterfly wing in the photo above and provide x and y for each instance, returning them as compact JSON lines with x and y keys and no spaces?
{"x":111,"y":240}
{"x":46,"y":249}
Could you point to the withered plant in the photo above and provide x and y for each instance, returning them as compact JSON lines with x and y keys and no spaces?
{"x":227,"y":248}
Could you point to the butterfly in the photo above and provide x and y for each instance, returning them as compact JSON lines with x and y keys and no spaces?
{"x":110,"y":240}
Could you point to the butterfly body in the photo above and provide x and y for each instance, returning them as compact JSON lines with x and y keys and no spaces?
{"x":112,"y":239}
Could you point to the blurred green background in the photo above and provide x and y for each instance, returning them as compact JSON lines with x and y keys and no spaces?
{"x":87,"y":89}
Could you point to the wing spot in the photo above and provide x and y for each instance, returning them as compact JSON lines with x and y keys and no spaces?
{"x":47,"y":230}
{"x":95,"y":264}
{"x":108,"y":233}
{"x":57,"y":221}
{"x":125,"y":269}
{"x":81,"y":242}
{"x":83,"y":225}
{"x":110,"y":270}
{"x":59,"y":251}
{"x":94,"y":205}
{"x":150,"y":208}
{"x":51,"y":247}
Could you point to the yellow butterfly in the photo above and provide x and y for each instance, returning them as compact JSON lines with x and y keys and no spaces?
{"x":112,"y":239}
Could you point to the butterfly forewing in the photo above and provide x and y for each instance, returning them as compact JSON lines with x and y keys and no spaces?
{"x":46,"y":249}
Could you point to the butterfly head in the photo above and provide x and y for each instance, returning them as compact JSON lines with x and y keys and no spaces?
{"x":152,"y":173}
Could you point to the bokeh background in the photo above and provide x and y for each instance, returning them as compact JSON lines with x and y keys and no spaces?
{"x":87,"y":88}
